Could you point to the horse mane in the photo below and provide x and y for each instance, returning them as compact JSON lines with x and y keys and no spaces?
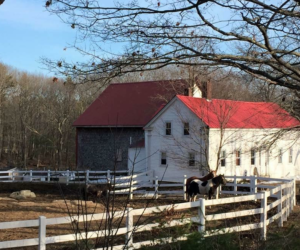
{"x":217,"y":178}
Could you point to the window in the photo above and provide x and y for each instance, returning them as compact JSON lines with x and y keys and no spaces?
{"x":291,"y":155}
{"x":191,"y":159}
{"x":168,"y":128}
{"x":252,"y":156}
{"x":238,"y":158}
{"x":280,"y":156}
{"x":163,"y":160}
{"x":223,"y":158}
{"x":186,"y":128}
{"x":119,"y":155}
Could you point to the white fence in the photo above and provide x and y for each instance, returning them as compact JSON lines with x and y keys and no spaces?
{"x":123,"y":181}
{"x":281,"y":196}
{"x":62,"y":176}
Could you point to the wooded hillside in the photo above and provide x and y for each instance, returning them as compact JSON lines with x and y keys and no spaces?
{"x":36,"y":116}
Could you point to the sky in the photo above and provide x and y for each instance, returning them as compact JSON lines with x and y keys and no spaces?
{"x":29,"y":32}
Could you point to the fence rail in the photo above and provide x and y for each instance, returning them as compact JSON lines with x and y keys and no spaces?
{"x":125,"y":182}
{"x":87,"y":176}
{"x":282,"y":194}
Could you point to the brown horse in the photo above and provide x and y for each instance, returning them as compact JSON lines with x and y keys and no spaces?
{"x":207,"y":177}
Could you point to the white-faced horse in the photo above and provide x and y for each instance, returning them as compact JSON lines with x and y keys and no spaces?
{"x":205,"y":187}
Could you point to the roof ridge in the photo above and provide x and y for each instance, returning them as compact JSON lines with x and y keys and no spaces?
{"x":228,"y":100}
{"x":121,"y":83}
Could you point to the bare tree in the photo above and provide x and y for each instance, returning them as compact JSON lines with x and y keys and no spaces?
{"x":36,"y":116}
{"x":6,"y":85}
{"x":256,"y":36}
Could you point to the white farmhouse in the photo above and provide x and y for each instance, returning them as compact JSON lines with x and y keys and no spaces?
{"x":190,"y":135}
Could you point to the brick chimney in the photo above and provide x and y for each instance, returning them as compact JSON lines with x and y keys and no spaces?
{"x":188,"y":92}
{"x":206,"y":88}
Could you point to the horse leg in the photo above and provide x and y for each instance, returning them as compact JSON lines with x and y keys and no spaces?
{"x":194,"y":198}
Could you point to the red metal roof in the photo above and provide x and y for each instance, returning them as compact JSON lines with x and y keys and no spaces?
{"x":218,"y":113}
{"x":128,"y":104}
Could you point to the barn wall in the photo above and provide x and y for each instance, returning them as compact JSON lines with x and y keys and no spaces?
{"x":97,"y":147}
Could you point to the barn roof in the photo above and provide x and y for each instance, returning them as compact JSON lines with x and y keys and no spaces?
{"x":217,"y":113}
{"x":129,"y":104}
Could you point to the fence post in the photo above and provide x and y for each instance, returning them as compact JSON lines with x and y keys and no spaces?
{"x":42,"y":233}
{"x":130,"y":189}
{"x":289,"y":199}
{"x":108,"y":176}
{"x":129,"y":225}
{"x":87,"y":176}
{"x":201,"y":214}
{"x":253,"y":183}
{"x":156,"y":187}
{"x":48,"y":175}
{"x":184,"y":188}
{"x":291,"y":196}
{"x":284,"y":205}
{"x":68,"y":177}
{"x":13,"y":175}
{"x":279,"y":207}
{"x":235,"y":185}
{"x":263,"y":216}
{"x":294,"y":194}
{"x":30,"y":179}
{"x":217,"y":191}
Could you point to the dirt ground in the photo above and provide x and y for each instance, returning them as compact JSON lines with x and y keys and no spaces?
{"x":54,"y":205}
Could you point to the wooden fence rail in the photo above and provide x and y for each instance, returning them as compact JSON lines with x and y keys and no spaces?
{"x":282,"y":194}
